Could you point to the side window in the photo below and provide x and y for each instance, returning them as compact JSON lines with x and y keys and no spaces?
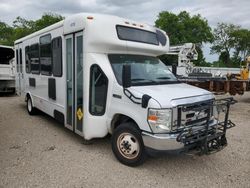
{"x":98,"y":91}
{"x":27,"y":59}
{"x":57,"y":56}
{"x":46,"y":55}
{"x":34,"y":59}
{"x":17,"y":61}
{"x":21,"y":60}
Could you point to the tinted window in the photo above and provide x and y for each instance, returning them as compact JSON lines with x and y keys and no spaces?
{"x":57,"y":56}
{"x":46,"y":55}
{"x":161,"y":37}
{"x":17,"y":61}
{"x":137,"y":35}
{"x":21,"y":60}
{"x":34,"y":59}
{"x":98,"y":91}
{"x":27,"y":59}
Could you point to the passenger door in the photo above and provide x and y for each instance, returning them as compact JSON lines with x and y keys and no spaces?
{"x":19,"y":70}
{"x":74,"y":82}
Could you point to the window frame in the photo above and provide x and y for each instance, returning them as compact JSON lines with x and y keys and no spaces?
{"x":17,"y":61}
{"x":90,"y":90}
{"x":61,"y":49}
{"x":144,"y":42}
{"x":21,"y":60}
{"x":39,"y":63}
{"x":27,"y":51}
{"x":51,"y":56}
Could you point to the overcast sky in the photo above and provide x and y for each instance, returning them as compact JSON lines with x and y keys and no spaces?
{"x":230,"y":11}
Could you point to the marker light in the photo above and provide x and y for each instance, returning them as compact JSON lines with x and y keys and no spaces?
{"x":90,"y":17}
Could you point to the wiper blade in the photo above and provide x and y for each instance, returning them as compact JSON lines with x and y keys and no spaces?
{"x":164,"y":78}
{"x":143,"y":79}
{"x":137,"y":79}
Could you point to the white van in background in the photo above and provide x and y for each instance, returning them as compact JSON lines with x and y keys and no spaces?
{"x":99,"y":74}
{"x":7,"y":69}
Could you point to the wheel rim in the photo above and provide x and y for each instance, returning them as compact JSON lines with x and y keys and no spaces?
{"x":128,"y":145}
{"x":29,"y":105}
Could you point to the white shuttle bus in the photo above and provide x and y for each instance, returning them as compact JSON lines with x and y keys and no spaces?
{"x":99,"y":74}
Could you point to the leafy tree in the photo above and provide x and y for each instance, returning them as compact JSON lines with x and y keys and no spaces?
{"x":241,"y":43}
{"x":5,"y":33}
{"x":223,"y":41}
{"x":183,"y":28}
{"x":22,"y":27}
{"x":46,"y":20}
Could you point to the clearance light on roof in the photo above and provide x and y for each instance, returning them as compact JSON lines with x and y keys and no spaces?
{"x":90,"y":17}
{"x":134,"y":24}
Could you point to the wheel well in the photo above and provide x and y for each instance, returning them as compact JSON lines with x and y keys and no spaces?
{"x":119,"y":119}
{"x":26,"y":97}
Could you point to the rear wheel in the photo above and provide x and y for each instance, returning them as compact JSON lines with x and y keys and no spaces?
{"x":127,"y":144}
{"x":31,"y":110}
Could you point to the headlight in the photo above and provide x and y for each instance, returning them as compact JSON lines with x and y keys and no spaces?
{"x":160,"y":120}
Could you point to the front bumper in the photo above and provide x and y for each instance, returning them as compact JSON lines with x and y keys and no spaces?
{"x":209,"y":138}
{"x":161,"y":142}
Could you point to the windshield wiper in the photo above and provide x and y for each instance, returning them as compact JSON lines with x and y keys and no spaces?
{"x":164,"y":78}
{"x":143,"y":79}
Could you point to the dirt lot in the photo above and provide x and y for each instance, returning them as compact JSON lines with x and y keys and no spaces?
{"x":36,"y":151}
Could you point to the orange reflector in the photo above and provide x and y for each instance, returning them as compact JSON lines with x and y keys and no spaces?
{"x":90,"y":17}
{"x":152,"y":118}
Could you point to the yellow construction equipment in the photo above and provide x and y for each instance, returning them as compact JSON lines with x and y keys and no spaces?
{"x":244,"y":72}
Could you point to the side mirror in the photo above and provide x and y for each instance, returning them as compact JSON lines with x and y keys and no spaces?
{"x":126,"y":76}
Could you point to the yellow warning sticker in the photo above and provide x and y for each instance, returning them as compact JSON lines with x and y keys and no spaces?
{"x":79,"y":114}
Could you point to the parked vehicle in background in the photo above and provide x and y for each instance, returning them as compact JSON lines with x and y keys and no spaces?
{"x":99,"y":74}
{"x":7,"y":69}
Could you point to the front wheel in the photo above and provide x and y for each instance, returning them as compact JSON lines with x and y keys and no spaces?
{"x":127,"y":144}
{"x":31,"y":110}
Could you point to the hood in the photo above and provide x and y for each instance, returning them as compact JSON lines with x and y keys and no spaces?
{"x":172,"y":95}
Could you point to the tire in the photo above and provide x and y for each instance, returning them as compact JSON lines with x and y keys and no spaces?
{"x":127,"y":145}
{"x":31,"y":110}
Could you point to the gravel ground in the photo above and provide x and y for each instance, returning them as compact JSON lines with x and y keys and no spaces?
{"x":36,"y":151}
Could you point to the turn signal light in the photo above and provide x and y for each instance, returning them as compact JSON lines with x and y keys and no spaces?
{"x":152,"y":118}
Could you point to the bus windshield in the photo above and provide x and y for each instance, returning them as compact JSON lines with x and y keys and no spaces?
{"x":145,"y":70}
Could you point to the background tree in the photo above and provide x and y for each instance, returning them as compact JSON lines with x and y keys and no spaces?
{"x":6,"y":33}
{"x":241,"y":39}
{"x":223,"y":41}
{"x":22,"y":27}
{"x":183,"y":28}
{"x":46,"y":20}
